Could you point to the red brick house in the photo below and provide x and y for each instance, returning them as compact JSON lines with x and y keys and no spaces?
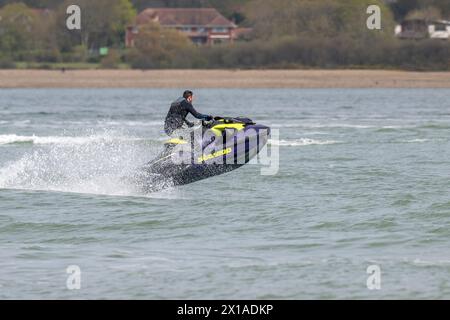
{"x":201,"y":25}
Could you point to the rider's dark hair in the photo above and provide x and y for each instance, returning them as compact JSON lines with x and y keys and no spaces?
{"x":187,"y":94}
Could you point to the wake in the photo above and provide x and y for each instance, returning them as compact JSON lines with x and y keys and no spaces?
{"x":97,"y":164}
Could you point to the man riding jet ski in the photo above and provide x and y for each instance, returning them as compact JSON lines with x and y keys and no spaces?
{"x":178,"y":112}
{"x":218,"y":146}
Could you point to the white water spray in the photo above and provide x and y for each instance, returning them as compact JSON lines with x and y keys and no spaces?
{"x":97,"y":163}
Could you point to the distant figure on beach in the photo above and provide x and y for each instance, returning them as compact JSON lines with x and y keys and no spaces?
{"x":178,"y":112}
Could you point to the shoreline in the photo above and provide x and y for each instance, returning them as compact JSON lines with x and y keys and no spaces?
{"x":30,"y":78}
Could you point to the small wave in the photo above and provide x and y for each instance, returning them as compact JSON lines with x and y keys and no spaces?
{"x":436,"y":126}
{"x":130,"y":123}
{"x":301,"y":142}
{"x":322,"y":125}
{"x":430,"y":263}
{"x":286,"y":125}
{"x":21,"y":123}
{"x":316,"y":133}
{"x":416,"y":141}
{"x":340,"y":125}
{"x":17,"y":139}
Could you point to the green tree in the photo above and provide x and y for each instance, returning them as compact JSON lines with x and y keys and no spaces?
{"x":17,"y":25}
{"x":402,"y":8}
{"x":323,"y":18}
{"x":112,"y":60}
{"x":103,"y":23}
{"x":156,"y":47}
{"x":429,"y":14}
{"x":143,"y":4}
{"x":34,"y":3}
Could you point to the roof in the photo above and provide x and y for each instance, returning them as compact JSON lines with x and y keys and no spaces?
{"x":184,"y":17}
{"x":41,"y":12}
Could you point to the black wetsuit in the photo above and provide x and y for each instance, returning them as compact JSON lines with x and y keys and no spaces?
{"x":178,"y":112}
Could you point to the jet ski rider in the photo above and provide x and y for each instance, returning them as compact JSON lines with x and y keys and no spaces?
{"x":178,"y":112}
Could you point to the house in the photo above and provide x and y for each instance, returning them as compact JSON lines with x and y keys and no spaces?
{"x":439,"y":30}
{"x":421,"y":29}
{"x":201,"y":25}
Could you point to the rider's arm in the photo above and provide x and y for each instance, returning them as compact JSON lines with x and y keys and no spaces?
{"x":190,"y":108}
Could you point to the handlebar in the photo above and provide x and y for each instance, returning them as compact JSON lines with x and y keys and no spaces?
{"x":205,"y":122}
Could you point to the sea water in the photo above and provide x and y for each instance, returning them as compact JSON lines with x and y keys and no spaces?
{"x":363,"y":184}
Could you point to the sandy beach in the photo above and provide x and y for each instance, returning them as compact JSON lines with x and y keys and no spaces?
{"x":222,"y":79}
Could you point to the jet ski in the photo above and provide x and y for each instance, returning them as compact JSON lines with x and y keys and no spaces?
{"x":216,"y":147}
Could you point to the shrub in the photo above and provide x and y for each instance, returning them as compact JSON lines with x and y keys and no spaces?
{"x":7,"y":63}
{"x":112,"y":60}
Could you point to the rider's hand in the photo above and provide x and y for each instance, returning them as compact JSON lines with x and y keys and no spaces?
{"x":209,"y":118}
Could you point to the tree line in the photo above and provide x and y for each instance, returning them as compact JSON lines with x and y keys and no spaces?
{"x":286,"y":34}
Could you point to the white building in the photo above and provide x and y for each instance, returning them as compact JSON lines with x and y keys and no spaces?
{"x":420,"y":29}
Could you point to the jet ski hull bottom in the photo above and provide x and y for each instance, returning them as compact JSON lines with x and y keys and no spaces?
{"x":178,"y":175}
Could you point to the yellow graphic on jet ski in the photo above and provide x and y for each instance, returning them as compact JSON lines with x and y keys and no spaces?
{"x":215,"y":155}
